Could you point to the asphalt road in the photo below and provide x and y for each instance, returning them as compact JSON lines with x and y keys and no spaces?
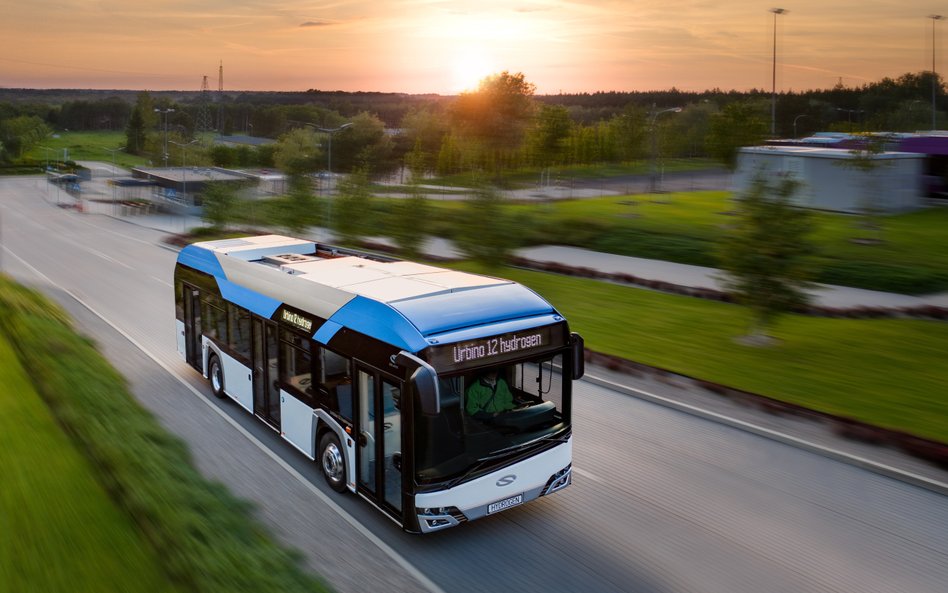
{"x":662,"y":501}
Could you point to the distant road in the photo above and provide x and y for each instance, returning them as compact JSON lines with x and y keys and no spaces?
{"x":662,"y":501}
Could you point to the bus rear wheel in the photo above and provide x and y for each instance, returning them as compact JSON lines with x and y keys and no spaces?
{"x":332,"y":462}
{"x":216,"y":376}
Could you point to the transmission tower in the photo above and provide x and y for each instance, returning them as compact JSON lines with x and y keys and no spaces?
{"x":204,"y":112}
{"x":220,"y":99}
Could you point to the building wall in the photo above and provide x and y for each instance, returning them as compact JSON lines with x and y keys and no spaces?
{"x":829,"y":183}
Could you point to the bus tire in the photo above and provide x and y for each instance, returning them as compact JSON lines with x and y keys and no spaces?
{"x":332,"y":461}
{"x":215,"y":374}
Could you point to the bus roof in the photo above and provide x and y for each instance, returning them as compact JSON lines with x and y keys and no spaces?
{"x":403,"y":303}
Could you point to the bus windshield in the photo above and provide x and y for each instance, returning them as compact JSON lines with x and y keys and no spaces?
{"x":488,"y":415}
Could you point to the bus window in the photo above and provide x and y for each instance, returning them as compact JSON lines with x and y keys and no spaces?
{"x":215,"y":319}
{"x":240,"y":334}
{"x":296,"y":368}
{"x":336,"y":379}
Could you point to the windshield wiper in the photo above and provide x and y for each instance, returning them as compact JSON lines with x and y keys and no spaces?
{"x":528,"y":444}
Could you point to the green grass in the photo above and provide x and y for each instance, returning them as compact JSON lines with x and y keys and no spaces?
{"x":84,"y":146}
{"x":60,"y":530}
{"x":205,"y":539}
{"x":886,"y":372}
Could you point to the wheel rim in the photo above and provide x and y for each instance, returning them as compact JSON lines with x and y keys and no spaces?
{"x":332,"y":463}
{"x":217,"y":379}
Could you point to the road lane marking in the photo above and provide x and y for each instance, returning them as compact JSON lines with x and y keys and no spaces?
{"x":774,"y":435}
{"x":323,"y":497}
{"x":588,"y":475}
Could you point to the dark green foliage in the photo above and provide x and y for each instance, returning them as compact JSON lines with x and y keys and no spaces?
{"x":351,"y":215}
{"x":408,"y":222}
{"x":486,"y":232}
{"x":767,"y":253}
{"x":885,"y":277}
{"x":220,"y":202}
{"x":737,"y":125}
{"x":676,"y":248}
{"x":203,"y":535}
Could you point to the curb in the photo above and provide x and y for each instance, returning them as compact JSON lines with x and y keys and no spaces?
{"x":829,"y":452}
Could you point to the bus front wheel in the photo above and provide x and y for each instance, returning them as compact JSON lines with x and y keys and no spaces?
{"x":332,"y":462}
{"x":216,"y":375}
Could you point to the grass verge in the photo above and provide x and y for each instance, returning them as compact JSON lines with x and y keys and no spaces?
{"x":205,"y":538}
{"x":885,"y":372}
{"x":61,"y":531}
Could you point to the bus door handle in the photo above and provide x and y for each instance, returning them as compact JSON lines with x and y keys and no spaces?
{"x":363,"y":439}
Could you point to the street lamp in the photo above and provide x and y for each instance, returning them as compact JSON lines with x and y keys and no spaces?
{"x":934,"y":17}
{"x":184,"y":164}
{"x":331,"y":131}
{"x":773,"y":91}
{"x":165,"y":112}
{"x":653,"y":180}
{"x":795,"y":123}
{"x":113,"y":151}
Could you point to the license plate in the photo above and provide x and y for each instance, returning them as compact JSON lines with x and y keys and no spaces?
{"x":506,"y":503}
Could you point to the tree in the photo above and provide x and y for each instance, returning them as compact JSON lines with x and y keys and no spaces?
{"x":486,"y":231}
{"x":735,"y":126}
{"x":548,"y":137}
{"x":298,"y":152}
{"x":219,"y":200}
{"x":135,"y":132}
{"x":362,"y":145}
{"x":22,"y":133}
{"x":353,"y":207}
{"x":409,"y":220}
{"x":496,"y":114}
{"x":865,"y":159}
{"x":767,"y":254}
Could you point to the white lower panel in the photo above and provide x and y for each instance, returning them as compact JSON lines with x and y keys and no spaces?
{"x":237,"y":381}
{"x":298,"y":424}
{"x":529,"y":475}
{"x":182,"y":347}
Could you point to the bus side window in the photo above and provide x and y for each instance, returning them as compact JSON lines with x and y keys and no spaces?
{"x":240,"y":330}
{"x":336,"y":378}
{"x":296,"y":369}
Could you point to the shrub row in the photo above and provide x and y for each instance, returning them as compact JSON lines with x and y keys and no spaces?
{"x":204,"y":536}
{"x":861,"y":312}
{"x":884,"y":277}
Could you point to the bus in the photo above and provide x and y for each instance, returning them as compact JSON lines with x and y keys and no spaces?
{"x":436,"y":395}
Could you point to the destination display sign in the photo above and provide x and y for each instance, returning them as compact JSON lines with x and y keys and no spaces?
{"x":494,"y":349}
{"x":296,"y":320}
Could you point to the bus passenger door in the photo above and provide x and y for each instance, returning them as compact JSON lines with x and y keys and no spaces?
{"x":192,"y":327}
{"x":380,"y":438}
{"x":266,"y":392}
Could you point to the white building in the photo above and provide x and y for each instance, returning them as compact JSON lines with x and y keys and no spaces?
{"x":831,"y":182}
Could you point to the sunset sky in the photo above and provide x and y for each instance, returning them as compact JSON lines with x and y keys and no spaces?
{"x":445,"y":46}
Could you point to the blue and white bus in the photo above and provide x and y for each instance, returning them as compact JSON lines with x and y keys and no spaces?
{"x":438,"y":396}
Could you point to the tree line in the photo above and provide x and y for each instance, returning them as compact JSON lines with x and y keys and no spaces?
{"x":502,"y":125}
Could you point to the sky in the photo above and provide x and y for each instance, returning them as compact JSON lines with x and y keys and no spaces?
{"x":447,"y":46}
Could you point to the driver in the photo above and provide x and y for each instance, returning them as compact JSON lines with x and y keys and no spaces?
{"x":488,"y":394}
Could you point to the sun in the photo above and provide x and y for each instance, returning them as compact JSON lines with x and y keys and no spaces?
{"x":469,"y":69}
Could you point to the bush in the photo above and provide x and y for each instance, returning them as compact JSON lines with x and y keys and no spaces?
{"x":884,"y":277}
{"x":203,"y":535}
{"x":680,"y":249}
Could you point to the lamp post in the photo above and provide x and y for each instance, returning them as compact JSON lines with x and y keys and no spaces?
{"x":331,"y":131}
{"x":773,"y":90}
{"x":329,"y":187}
{"x":184,"y":164}
{"x":934,"y":18}
{"x":165,"y":112}
{"x":113,"y":151}
{"x":653,"y":178}
{"x":795,"y":123}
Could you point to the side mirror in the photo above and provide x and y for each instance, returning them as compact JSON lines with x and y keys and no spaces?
{"x":426,"y":386}
{"x":397,"y":460}
{"x":424,"y":379}
{"x":579,"y":355}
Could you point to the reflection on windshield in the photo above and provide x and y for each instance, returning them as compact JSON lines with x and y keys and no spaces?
{"x":487,"y":413}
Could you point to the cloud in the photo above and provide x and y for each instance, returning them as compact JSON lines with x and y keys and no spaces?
{"x":316,"y":24}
